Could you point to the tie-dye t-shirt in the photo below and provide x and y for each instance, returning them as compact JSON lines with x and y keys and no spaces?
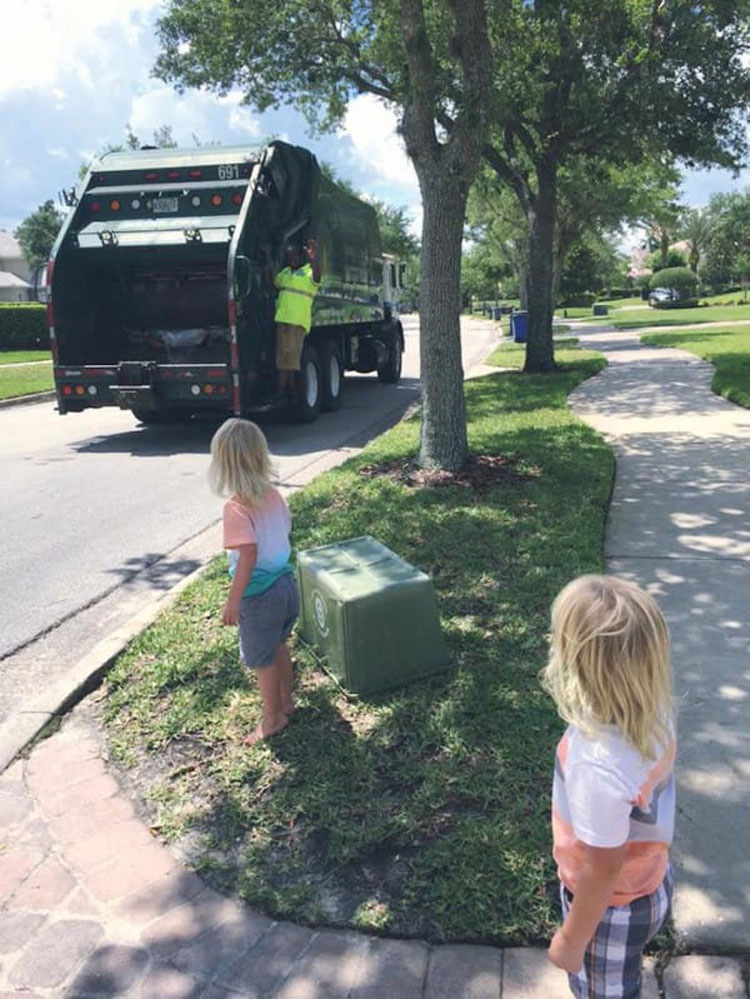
{"x":267,"y":525}
{"x":605,"y":794}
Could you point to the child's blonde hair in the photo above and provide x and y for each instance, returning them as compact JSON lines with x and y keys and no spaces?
{"x":609,"y":661}
{"x":240,"y":463}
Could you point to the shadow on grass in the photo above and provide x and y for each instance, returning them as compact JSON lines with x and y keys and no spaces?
{"x":423,"y":811}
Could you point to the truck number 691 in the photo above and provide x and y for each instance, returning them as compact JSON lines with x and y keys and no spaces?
{"x":229,"y":172}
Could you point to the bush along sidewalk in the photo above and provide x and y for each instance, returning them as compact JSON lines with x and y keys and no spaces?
{"x":425,"y":811}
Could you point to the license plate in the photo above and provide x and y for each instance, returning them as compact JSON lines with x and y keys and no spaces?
{"x":165,"y":204}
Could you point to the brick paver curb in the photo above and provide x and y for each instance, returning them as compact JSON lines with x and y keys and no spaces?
{"x":92,"y":906}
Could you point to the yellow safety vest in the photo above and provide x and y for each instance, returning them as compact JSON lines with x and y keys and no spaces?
{"x":297,"y":290}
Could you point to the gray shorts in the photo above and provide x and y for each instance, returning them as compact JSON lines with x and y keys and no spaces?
{"x":267,"y":620}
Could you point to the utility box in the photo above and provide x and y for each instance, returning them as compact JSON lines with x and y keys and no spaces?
{"x":371,"y":615}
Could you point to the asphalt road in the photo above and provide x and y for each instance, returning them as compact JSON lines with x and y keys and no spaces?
{"x":99,"y":513}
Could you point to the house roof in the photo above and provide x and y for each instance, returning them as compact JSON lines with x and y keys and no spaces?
{"x":10,"y":248}
{"x":8,"y":280}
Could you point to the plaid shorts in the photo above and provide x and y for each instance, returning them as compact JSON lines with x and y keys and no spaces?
{"x":612,"y":963}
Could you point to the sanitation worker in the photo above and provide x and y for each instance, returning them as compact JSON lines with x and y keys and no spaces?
{"x":297,"y":285}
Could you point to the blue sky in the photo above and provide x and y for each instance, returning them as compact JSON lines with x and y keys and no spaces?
{"x":76,"y":71}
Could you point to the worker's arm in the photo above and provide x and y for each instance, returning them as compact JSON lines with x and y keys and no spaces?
{"x":601,"y":868}
{"x":248,"y":557}
{"x":312,"y":256}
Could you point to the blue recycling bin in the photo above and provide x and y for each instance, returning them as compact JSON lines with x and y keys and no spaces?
{"x":519,"y":326}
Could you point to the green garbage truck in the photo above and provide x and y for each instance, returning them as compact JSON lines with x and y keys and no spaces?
{"x":160,"y":294}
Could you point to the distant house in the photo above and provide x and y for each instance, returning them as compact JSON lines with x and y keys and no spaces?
{"x":15,"y":274}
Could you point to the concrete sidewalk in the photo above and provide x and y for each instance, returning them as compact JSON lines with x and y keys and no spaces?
{"x":679,"y":524}
{"x":91,"y":906}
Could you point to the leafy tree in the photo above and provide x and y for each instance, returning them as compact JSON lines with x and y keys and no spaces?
{"x":617,"y":80}
{"x":37,"y":233}
{"x":658,"y":262}
{"x":727,"y":249}
{"x":428,"y":60}
{"x":696,"y":226}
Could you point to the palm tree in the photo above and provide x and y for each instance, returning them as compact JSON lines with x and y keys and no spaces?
{"x":696,"y":226}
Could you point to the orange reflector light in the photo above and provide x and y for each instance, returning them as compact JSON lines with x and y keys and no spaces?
{"x":216,"y":200}
{"x":67,"y":390}
{"x":208,"y":389}
{"x":151,"y":175}
{"x":195,"y":173}
{"x":80,"y":390}
{"x":114,"y":205}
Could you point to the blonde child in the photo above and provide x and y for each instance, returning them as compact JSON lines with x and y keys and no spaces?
{"x":613,"y":795}
{"x":263,"y":598}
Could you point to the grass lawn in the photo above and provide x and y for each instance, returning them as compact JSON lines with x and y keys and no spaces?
{"x":638,"y":318}
{"x":420,"y":812}
{"x":25,"y":380}
{"x":727,"y":349}
{"x":23,"y":356}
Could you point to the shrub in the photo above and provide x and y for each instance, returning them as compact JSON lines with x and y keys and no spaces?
{"x":23,"y":326}
{"x":618,"y":293}
{"x":582,"y":300}
{"x":681,"y":279}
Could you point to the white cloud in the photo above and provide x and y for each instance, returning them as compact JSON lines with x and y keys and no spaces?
{"x":198,"y":113}
{"x":371,"y":128}
{"x":51,"y":38}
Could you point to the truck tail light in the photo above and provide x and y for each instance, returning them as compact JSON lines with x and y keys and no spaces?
{"x":216,"y":200}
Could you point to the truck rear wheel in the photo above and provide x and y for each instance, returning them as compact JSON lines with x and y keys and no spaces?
{"x":333,"y":377}
{"x":309,"y":386}
{"x":390,"y":372}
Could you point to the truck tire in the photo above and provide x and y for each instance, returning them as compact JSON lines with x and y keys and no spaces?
{"x":333,"y":377}
{"x":390,"y":372}
{"x":309,"y":386}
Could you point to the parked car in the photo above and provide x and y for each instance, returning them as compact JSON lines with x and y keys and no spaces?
{"x":659,"y":295}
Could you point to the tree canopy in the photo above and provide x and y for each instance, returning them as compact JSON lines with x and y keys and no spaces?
{"x":37,"y":233}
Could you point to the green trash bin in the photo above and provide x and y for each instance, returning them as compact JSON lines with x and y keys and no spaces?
{"x":371,"y":615}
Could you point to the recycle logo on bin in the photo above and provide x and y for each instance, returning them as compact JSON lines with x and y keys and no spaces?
{"x":321,"y":612}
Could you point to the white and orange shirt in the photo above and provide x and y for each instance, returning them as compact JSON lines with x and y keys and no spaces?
{"x":605,"y":794}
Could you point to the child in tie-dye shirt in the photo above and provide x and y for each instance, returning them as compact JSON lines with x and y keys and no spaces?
{"x":613,"y":800}
{"x":263,"y":598}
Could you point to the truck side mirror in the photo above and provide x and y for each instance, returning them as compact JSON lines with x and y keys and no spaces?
{"x":39,"y":282}
{"x":241,"y":277}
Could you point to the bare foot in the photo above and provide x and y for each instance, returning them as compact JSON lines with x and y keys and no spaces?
{"x":288,"y":708}
{"x":266,"y":729}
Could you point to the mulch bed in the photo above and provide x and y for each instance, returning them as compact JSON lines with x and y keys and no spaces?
{"x":481,"y":471}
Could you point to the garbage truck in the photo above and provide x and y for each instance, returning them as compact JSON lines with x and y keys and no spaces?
{"x":160,"y":295}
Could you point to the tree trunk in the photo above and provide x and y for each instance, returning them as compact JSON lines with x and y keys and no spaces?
{"x":443,"y":439}
{"x":539,"y":350}
{"x":523,"y":282}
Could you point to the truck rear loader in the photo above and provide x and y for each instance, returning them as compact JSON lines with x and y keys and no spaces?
{"x":160,"y":294}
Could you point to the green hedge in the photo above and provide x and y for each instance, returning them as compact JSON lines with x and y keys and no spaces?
{"x":682,"y":279}
{"x":23,"y":326}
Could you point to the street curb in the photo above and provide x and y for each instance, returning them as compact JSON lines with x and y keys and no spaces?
{"x":89,"y":671}
{"x":86,"y":675}
{"x":27,"y":400}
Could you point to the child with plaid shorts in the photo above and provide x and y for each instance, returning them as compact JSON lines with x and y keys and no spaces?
{"x":613,"y":793}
